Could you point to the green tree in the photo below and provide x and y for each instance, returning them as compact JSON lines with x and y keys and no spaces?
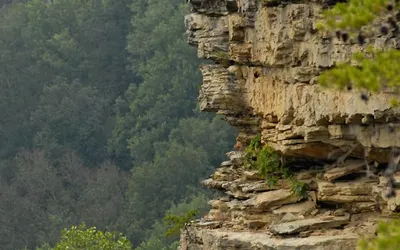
{"x":40,"y":198}
{"x":67,"y":91}
{"x":72,"y":117}
{"x":208,"y":132}
{"x":157,"y":239}
{"x":82,"y":237}
{"x":151,"y":108}
{"x":171,"y":175}
{"x":46,"y":43}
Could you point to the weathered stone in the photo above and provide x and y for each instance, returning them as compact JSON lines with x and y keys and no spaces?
{"x":255,"y":187}
{"x":288,"y":217}
{"x":339,"y":212}
{"x":252,"y":175}
{"x":226,"y":240}
{"x":235,"y":205}
{"x":264,"y":201}
{"x":226,"y":164}
{"x":217,"y":215}
{"x":209,"y":224}
{"x":346,"y":192}
{"x":264,"y":82}
{"x":363,"y":207}
{"x":306,"y":175}
{"x":236,"y":157}
{"x":218,"y":204}
{"x":276,"y":59}
{"x":393,"y":204}
{"x":225,"y":199}
{"x":213,"y":183}
{"x":223,"y":174}
{"x":302,"y":208}
{"x":255,"y":224}
{"x":308,"y":224}
{"x":349,"y":167}
{"x":240,"y":195}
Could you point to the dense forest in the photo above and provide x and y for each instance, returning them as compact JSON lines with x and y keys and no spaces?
{"x":99,"y":121}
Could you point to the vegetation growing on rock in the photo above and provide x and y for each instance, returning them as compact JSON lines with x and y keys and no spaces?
{"x":269,"y":164}
{"x":178,"y":222}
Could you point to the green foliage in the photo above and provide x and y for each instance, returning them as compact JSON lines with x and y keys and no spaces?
{"x":82,"y":237}
{"x":46,"y":197}
{"x":152,"y":182}
{"x":167,"y":92}
{"x":298,"y":187}
{"x":368,"y":73}
{"x":178,"y":222}
{"x":372,"y":70}
{"x":157,"y":239}
{"x":44,"y":246}
{"x":355,"y":14}
{"x":388,"y":237}
{"x":84,"y":85}
{"x":268,"y":163}
{"x":265,"y":159}
{"x":70,"y":116}
{"x":47,"y":43}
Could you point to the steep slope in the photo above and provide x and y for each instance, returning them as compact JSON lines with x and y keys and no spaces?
{"x":268,"y":56}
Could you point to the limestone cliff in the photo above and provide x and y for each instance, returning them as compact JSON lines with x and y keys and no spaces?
{"x":267,"y":57}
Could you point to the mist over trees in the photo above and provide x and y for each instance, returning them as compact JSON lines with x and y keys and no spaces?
{"x":99,"y":122}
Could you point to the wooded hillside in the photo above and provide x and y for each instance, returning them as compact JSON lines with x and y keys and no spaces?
{"x":98,"y":120}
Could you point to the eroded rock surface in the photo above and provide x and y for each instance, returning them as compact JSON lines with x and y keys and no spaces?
{"x":268,"y":56}
{"x":265,"y":81}
{"x":227,"y":240}
{"x":254,"y":215}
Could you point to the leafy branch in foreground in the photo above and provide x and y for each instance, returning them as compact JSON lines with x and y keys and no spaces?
{"x":355,"y":14}
{"x":373,"y":69}
{"x":387,"y":238}
{"x":178,"y":222}
{"x":368,"y":73}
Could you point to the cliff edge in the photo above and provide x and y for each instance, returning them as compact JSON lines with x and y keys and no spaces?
{"x":267,"y":58}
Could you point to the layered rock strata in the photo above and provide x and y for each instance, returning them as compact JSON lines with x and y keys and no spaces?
{"x":336,"y":211}
{"x":268,"y":57}
{"x":267,"y":62}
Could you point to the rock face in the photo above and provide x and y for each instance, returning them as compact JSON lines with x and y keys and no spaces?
{"x":268,"y":56}
{"x":268,"y":60}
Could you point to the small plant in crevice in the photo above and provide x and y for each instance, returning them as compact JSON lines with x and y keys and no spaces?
{"x":268,"y":163}
{"x":299,"y":187}
{"x":178,"y":222}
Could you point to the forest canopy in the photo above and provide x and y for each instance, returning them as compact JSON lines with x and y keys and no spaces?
{"x":99,"y":122}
